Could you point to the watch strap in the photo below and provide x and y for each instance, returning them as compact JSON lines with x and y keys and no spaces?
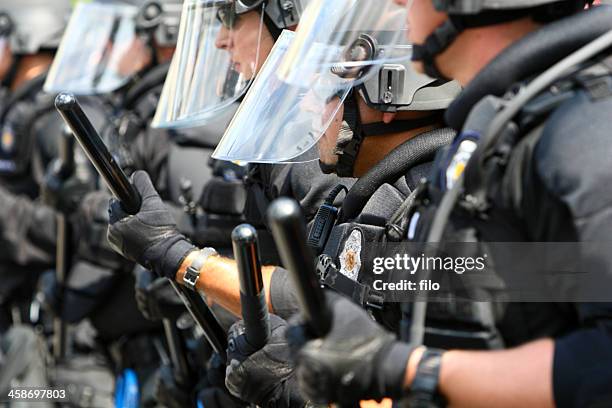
{"x":192,"y":273}
{"x":424,"y":389}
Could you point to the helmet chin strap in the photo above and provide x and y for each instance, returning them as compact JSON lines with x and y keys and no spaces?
{"x":353,"y":132}
{"x":443,"y":36}
{"x":434,"y":45}
{"x":275,"y":32}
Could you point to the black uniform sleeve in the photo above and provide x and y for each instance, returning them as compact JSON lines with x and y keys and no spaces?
{"x":573,"y":162}
{"x":304,"y":182}
{"x":28,"y":230}
{"x":582,"y":367}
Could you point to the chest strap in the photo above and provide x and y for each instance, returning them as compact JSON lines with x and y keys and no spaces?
{"x":363,"y":295}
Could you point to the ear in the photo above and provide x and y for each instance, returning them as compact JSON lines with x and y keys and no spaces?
{"x":388,"y":117}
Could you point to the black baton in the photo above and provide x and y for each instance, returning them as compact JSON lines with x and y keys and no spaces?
{"x":205,"y":318}
{"x":252,"y":293}
{"x":63,"y":251}
{"x":178,"y":357}
{"x":114,"y":177}
{"x":289,"y":231}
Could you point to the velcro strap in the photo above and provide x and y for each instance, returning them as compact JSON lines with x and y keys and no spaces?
{"x":358,"y":292}
{"x":435,"y":44}
{"x":443,"y":36}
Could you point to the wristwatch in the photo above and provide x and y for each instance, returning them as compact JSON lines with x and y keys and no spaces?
{"x":424,"y":389}
{"x":192,"y":273}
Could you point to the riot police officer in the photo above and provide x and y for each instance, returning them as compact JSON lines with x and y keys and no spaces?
{"x":31,"y":32}
{"x":388,"y":141}
{"x":124,"y":60}
{"x":137,"y":145}
{"x":542,"y":190}
{"x":31,"y":133}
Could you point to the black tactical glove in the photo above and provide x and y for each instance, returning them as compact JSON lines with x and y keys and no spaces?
{"x":357,"y":360}
{"x":150,"y":236}
{"x":263,"y":377}
{"x":212,"y":392}
{"x":155,"y":297}
{"x":91,"y":224}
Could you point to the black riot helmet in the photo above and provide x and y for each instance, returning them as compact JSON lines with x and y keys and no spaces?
{"x":474,"y":7}
{"x":160,"y":19}
{"x":278,"y":14}
{"x":283,"y":13}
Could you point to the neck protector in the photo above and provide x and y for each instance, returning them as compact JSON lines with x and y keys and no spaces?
{"x":414,"y":152}
{"x":353,"y":132}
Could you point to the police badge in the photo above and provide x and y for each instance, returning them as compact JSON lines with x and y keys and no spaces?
{"x":350,"y":257}
{"x":8,"y":141}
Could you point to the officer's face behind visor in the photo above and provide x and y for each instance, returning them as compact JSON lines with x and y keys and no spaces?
{"x":240,"y":36}
{"x":100,"y":50}
{"x":218,"y":54}
{"x":338,"y":45}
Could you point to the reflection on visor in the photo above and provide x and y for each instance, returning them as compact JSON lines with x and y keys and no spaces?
{"x":99,"y":52}
{"x":227,"y":16}
{"x":350,"y":38}
{"x":104,"y":61}
{"x":6,"y":25}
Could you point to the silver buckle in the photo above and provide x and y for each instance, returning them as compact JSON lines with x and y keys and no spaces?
{"x":191,"y":277}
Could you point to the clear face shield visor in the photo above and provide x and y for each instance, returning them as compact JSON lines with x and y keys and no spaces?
{"x":217,"y":57}
{"x":303,"y":84}
{"x":100,"y":50}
